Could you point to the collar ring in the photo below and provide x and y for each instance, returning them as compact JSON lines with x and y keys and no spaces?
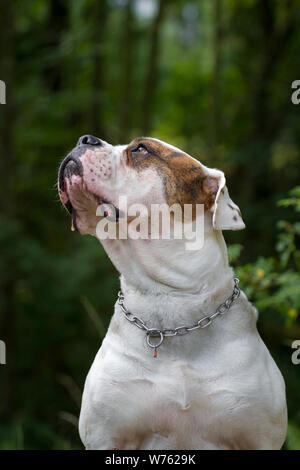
{"x":153,"y":333}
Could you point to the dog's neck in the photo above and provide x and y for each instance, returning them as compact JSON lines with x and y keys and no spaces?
{"x":158,"y":271}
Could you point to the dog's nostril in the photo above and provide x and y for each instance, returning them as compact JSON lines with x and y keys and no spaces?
{"x":89,"y":140}
{"x":84,"y":140}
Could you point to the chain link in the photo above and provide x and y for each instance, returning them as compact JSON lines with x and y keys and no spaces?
{"x":161,"y":334}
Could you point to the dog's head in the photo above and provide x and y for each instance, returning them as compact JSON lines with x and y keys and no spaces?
{"x":147,"y":171}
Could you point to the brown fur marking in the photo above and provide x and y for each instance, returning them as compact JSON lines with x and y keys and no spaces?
{"x":184,"y":179}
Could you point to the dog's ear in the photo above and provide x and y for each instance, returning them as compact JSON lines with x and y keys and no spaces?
{"x":226,"y":214}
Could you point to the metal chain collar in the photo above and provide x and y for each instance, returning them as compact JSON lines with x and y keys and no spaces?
{"x":161,"y":334}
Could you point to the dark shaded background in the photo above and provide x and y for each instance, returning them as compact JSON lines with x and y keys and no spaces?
{"x":210,"y":76}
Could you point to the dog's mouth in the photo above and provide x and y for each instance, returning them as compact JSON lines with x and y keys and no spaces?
{"x":70,"y":181}
{"x":107,"y":209}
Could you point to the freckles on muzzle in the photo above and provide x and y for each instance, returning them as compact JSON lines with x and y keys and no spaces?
{"x":97,"y":167}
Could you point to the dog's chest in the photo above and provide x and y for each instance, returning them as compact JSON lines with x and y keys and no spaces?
{"x":169,"y":399}
{"x":179,"y":384}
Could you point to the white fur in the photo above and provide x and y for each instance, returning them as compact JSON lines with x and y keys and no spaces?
{"x":216,"y":388}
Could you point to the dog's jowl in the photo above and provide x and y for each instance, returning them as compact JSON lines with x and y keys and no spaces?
{"x":189,"y":369}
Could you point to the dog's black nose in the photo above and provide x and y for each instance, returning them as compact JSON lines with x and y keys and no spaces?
{"x":89,"y":140}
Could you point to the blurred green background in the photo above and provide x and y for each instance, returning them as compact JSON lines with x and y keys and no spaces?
{"x":210,"y":76}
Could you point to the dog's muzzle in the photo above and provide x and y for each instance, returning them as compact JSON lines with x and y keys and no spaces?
{"x":72,"y":165}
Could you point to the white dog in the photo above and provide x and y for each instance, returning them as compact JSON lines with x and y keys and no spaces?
{"x":211,"y":388}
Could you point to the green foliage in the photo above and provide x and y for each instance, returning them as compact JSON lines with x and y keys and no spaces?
{"x":205,"y":82}
{"x":273,"y":282}
{"x":293,"y":437}
{"x":292,"y":201}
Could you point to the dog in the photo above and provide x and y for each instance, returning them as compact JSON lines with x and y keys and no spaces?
{"x":214,"y":388}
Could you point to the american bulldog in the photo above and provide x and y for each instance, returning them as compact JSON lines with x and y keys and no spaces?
{"x":215,"y":387}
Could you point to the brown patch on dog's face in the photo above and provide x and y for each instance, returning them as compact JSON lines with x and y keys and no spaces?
{"x":184,"y":179}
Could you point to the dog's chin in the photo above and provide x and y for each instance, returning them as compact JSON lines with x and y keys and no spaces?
{"x":82,"y":205}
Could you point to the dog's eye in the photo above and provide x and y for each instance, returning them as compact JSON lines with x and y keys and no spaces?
{"x":141,"y":149}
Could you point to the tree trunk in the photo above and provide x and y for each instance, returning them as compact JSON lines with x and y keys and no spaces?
{"x":98,"y":22}
{"x":273,"y":44}
{"x":128,"y":45}
{"x":216,"y":78}
{"x":151,"y":70}
{"x":7,"y":286}
{"x":56,"y":23}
